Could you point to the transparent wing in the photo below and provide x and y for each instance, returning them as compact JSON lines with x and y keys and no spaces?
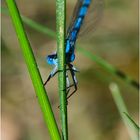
{"x":92,"y":18}
{"x":74,"y":15}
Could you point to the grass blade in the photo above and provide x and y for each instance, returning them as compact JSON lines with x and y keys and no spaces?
{"x":137,"y":128}
{"x":100,"y":61}
{"x":38,"y":27}
{"x":109,"y":68}
{"x":122,"y":108}
{"x":61,"y":26}
{"x":33,"y":71}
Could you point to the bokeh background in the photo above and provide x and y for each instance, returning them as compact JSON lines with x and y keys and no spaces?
{"x":92,"y":112}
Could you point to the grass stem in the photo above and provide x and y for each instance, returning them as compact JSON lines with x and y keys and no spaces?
{"x":61,"y":26}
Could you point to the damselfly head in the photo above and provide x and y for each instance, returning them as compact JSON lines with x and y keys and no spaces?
{"x":52,"y":59}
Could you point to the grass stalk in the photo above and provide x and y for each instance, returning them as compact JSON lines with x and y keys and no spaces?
{"x":122,"y":108}
{"x":61,"y":30}
{"x":33,"y":71}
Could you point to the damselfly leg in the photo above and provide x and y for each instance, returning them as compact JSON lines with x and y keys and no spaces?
{"x":72,"y":71}
{"x":52,"y":74}
{"x":67,"y":82}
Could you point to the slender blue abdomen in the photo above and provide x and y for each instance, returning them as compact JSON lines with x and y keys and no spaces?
{"x":79,"y":20}
{"x":71,"y":39}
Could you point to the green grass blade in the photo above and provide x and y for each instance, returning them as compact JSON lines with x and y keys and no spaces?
{"x":122,"y":108}
{"x":61,"y":26}
{"x":104,"y":64}
{"x":109,"y":68}
{"x":39,"y":27}
{"x":33,"y":71}
{"x":34,"y":25}
{"x":137,"y":128}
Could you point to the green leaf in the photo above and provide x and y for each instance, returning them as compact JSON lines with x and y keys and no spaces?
{"x":122,"y":108}
{"x":100,"y":61}
{"x":33,"y":71}
{"x":137,"y":128}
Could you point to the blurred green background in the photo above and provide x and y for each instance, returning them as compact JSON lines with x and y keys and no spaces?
{"x":92,"y":113}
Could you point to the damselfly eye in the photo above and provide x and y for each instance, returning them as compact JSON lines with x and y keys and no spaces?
{"x":49,"y":60}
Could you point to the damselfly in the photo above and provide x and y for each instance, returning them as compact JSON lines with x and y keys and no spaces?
{"x":79,"y":16}
{"x":80,"y":22}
